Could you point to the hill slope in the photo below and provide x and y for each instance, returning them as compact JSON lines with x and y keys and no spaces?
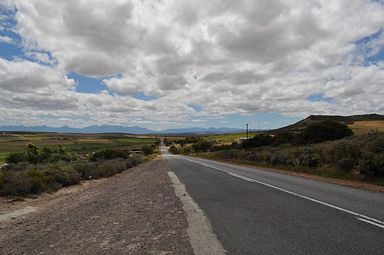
{"x":348,"y":120}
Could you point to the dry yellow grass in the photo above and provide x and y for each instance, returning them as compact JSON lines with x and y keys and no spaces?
{"x":366,"y":127}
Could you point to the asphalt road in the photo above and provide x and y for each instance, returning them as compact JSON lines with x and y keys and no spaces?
{"x":260,"y":212}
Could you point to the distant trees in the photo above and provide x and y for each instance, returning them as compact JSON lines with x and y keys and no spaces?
{"x":258,"y":141}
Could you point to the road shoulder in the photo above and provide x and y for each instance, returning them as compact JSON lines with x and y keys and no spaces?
{"x":135,"y":212}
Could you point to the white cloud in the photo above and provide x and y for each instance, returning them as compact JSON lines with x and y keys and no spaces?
{"x":228,"y":56}
{"x":6,"y":39}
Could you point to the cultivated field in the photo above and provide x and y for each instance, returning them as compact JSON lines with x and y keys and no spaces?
{"x":79,"y":143}
{"x":228,"y":138}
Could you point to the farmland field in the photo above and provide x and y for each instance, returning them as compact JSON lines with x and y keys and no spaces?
{"x":228,"y":138}
{"x":80,"y":143}
{"x":365,"y":127}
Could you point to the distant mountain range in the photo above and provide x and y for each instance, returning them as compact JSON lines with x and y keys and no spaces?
{"x":118,"y":129}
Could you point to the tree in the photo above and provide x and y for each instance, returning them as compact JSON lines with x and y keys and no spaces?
{"x":33,"y":154}
{"x":323,"y":131}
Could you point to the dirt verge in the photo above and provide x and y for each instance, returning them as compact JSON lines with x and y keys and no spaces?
{"x":135,"y":212}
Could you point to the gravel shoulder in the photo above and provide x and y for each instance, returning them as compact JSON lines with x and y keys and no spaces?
{"x":135,"y":212}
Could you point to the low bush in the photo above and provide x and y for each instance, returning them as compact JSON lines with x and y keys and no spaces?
{"x":16,"y":158}
{"x":16,"y":183}
{"x":258,"y":141}
{"x":174,"y":150}
{"x":109,"y":154}
{"x":371,"y":164}
{"x":65,"y":176}
{"x":202,"y":146}
{"x":147,"y":150}
{"x":307,"y":158}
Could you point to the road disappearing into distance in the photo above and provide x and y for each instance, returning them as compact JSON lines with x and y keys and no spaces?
{"x":255,"y":211}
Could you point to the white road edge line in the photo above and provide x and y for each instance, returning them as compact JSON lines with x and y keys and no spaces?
{"x":241,"y":177}
{"x":199,"y":230}
{"x":370,"y":222}
{"x":367,"y":218}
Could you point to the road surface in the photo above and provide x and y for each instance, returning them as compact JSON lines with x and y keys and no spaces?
{"x":260,"y":212}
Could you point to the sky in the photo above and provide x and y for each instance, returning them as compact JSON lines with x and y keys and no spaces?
{"x":181,"y":63}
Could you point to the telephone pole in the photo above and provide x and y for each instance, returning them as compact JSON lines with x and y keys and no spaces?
{"x":246,"y":126}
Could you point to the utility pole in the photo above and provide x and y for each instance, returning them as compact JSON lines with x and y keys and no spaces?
{"x":246,"y":126}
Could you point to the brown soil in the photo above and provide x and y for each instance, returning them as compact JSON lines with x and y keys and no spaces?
{"x":135,"y":212}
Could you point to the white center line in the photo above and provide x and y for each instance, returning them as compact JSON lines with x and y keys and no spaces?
{"x":359,"y":216}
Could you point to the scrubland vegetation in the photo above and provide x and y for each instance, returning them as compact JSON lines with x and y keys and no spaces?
{"x":45,"y":169}
{"x":325,"y":148}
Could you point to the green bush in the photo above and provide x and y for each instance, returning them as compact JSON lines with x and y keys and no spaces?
{"x":65,"y":176}
{"x":174,"y":150}
{"x":307,"y":158}
{"x":277,"y":159}
{"x":323,"y":131}
{"x":16,"y":183}
{"x":202,"y":146}
{"x":56,"y":157}
{"x":371,"y":164}
{"x":85,"y":169}
{"x":346,"y":164}
{"x":109,"y":154}
{"x":136,"y":159}
{"x":2,"y":179}
{"x":17,"y":157}
{"x":147,"y":150}
{"x":258,"y":141}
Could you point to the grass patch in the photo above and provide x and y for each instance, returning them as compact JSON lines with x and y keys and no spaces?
{"x":366,"y":127}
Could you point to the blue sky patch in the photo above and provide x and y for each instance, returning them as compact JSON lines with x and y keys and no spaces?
{"x":196,"y":107}
{"x":144,"y":97}
{"x":319,"y":97}
{"x":86,"y":84}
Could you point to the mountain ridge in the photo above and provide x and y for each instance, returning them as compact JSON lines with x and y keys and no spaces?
{"x":115,"y":129}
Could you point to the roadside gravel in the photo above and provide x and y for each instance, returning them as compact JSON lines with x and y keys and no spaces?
{"x":135,"y":212}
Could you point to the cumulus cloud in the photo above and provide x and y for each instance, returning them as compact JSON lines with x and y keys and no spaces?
{"x":241,"y":57}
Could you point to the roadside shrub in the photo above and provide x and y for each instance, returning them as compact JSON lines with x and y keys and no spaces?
{"x":346,"y":164}
{"x":174,"y":150}
{"x":344,"y":154}
{"x":136,"y":159}
{"x":110,"y":168}
{"x":56,"y":157}
{"x":109,"y":154}
{"x":258,"y":141}
{"x":85,"y":169}
{"x":371,"y":164}
{"x":39,"y":182}
{"x":202,"y":146}
{"x":147,"y":150}
{"x":16,"y":183}
{"x":323,"y":131}
{"x":21,"y":166}
{"x":307,"y":158}
{"x":2,"y":179}
{"x":377,"y":145}
{"x":282,"y":138}
{"x":277,"y":159}
{"x":66,"y":176}
{"x":17,"y":157}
